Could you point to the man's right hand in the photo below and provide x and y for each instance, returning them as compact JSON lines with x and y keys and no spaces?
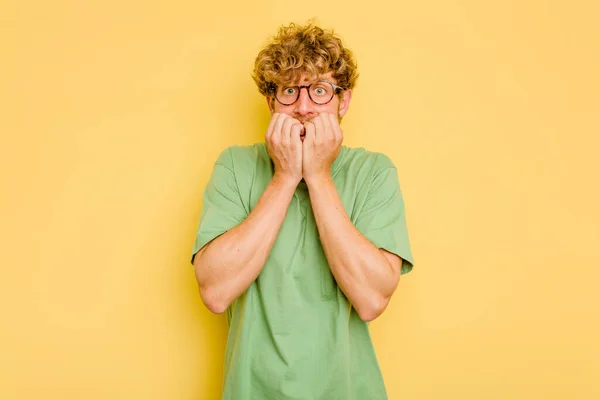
{"x":285,"y":147}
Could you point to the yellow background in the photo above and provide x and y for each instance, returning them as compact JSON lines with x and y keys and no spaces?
{"x":113,"y":112}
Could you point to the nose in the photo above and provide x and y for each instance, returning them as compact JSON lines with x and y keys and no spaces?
{"x":304,"y":104}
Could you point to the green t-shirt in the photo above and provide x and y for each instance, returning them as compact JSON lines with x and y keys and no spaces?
{"x":293,"y":334}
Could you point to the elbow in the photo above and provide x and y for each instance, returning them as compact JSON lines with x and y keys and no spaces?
{"x":368,"y":315}
{"x":372,"y":308}
{"x":215,"y":303}
{"x":216,"y":308}
{"x":210,"y":294}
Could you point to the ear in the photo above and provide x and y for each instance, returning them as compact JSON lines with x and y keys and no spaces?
{"x":345,"y":102}
{"x":271,"y":104}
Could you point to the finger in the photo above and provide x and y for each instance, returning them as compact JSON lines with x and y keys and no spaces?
{"x":327,"y":128}
{"x":277,"y":128}
{"x":271,"y":125}
{"x":319,"y":128}
{"x":310,"y":129}
{"x":337,"y":129}
{"x":295,"y":133}
{"x":286,"y":131}
{"x":296,"y":122}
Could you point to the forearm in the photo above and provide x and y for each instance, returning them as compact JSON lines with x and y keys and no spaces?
{"x":229,"y":264}
{"x":360,"y":269}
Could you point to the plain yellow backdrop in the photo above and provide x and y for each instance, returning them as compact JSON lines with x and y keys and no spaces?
{"x":113,"y":113}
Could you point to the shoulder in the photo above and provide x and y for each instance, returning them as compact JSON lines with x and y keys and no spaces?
{"x":369,"y":171}
{"x":243,"y":152}
{"x":239,"y":157}
{"x":367,"y":161}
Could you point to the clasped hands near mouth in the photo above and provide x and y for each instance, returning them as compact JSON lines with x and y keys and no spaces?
{"x":303,"y":149}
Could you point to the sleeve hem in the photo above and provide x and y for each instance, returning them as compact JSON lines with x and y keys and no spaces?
{"x":203,"y":240}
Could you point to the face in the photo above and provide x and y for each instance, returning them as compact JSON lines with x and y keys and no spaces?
{"x":304,"y":109}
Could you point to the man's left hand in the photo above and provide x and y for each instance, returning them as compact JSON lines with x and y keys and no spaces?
{"x":321,"y":146}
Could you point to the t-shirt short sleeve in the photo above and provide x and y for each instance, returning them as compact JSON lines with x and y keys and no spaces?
{"x":382,"y":219}
{"x":222,"y":207}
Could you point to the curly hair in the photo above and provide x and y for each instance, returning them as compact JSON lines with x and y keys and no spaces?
{"x":303,"y":49}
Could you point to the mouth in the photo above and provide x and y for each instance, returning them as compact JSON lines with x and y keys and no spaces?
{"x":302,"y":135}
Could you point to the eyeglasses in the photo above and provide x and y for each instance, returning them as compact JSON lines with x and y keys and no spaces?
{"x":320,"y":93}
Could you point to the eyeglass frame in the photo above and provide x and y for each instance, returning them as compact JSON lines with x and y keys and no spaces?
{"x":336,"y":91}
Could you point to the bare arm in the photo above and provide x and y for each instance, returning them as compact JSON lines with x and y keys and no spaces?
{"x":367,"y":275}
{"x":228,"y":265}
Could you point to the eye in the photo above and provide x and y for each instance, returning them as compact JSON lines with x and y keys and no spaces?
{"x":289,"y":91}
{"x":321,"y":89}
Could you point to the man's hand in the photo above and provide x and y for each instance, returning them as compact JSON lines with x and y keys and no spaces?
{"x":285,"y":147}
{"x":321,"y":146}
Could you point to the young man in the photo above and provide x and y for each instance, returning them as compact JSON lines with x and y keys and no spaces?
{"x":301,"y":240}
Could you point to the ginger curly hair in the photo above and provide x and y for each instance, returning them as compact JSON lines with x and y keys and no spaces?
{"x":298,"y":49}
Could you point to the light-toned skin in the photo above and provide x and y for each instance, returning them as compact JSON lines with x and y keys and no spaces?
{"x":367,"y":275}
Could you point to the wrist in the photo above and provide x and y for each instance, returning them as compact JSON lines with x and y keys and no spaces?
{"x":285,"y":181}
{"x":318,"y":179}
